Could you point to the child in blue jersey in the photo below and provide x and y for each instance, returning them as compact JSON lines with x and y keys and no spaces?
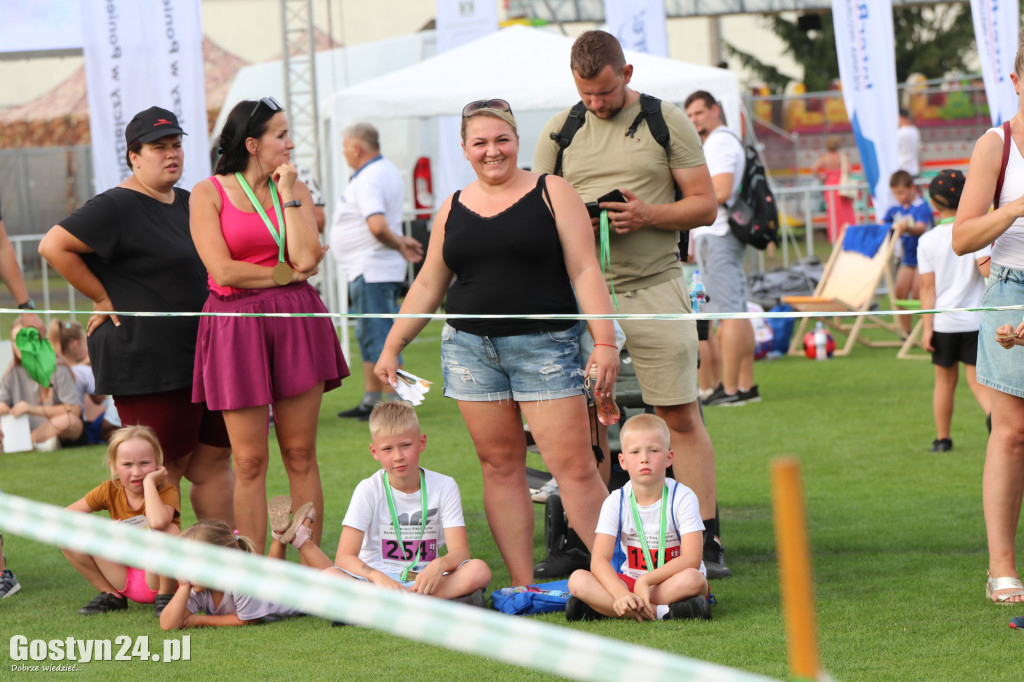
{"x":913,"y":216}
{"x":655,"y":525}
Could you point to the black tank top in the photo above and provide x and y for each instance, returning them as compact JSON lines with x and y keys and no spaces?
{"x":510,"y":263}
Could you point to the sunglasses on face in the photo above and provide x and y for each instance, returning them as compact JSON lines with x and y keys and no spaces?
{"x":269,"y":103}
{"x":496,"y":104}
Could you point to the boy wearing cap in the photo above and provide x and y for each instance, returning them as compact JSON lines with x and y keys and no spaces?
{"x":950,"y":281}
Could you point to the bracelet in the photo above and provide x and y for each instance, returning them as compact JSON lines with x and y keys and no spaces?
{"x":610,"y":345}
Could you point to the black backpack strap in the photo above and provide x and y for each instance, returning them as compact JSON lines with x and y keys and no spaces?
{"x":573,"y":122}
{"x":650,"y":108}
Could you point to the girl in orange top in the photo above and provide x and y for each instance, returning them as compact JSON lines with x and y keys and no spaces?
{"x":138,"y":495}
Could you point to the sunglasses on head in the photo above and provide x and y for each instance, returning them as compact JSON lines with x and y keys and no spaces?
{"x":496,"y":104}
{"x":269,"y":103}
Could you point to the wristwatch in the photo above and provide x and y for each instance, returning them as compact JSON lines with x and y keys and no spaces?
{"x":295,"y":202}
{"x":27,"y":305}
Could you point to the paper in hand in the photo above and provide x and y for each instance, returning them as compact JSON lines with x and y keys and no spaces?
{"x":410,"y":387}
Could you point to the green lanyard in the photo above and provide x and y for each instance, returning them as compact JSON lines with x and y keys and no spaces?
{"x":606,"y":253}
{"x":946,"y":221}
{"x":277,"y":234}
{"x":398,"y":527}
{"x":661,"y":532}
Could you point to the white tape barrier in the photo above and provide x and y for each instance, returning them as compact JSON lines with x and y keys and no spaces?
{"x":518,"y":641}
{"x":559,"y":316}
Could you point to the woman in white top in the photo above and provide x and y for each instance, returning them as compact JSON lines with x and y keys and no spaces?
{"x":976,"y":226}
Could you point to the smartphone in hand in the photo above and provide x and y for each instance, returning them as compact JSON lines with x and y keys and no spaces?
{"x":595,"y":211}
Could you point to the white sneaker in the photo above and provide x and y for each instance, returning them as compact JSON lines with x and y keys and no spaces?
{"x":51,"y":444}
{"x":545,"y":491}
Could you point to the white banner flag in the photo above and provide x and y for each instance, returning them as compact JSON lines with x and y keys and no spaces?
{"x":995,"y":31}
{"x":867,"y":68}
{"x":139,"y":54}
{"x":460,"y":22}
{"x":638,"y":24}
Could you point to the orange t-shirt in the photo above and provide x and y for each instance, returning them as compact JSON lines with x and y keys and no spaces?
{"x":111,"y":495}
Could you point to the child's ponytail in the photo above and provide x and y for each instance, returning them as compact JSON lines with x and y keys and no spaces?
{"x":220,"y":534}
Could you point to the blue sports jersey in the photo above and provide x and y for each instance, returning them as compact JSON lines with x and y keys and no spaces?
{"x":921,"y":212}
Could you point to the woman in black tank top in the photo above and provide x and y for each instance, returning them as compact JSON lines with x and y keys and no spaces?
{"x":519,"y":244}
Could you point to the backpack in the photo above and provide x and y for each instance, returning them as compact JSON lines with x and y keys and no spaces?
{"x":754,"y":216}
{"x":650,"y":109}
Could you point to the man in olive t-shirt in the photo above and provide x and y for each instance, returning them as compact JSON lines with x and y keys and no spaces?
{"x":645,"y":271}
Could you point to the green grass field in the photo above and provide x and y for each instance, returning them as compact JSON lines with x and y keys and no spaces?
{"x":896,"y":532}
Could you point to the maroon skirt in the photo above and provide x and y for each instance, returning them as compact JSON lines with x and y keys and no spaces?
{"x":249,"y":361}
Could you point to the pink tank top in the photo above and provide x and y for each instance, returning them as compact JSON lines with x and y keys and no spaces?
{"x":246,"y":235}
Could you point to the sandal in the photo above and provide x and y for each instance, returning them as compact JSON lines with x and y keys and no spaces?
{"x":607,"y":409}
{"x":993,"y":585}
{"x":280,"y":510}
{"x":306,"y":511}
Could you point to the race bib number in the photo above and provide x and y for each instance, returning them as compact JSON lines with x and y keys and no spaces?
{"x":421,"y":550}
{"x":135,"y":522}
{"x":636,"y":561}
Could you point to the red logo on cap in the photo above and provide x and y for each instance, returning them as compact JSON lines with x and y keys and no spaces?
{"x":162,"y":122}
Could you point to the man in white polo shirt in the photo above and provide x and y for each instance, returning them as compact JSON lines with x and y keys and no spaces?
{"x":371,"y":250}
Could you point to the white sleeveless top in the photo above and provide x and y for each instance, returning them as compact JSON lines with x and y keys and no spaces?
{"x":1008,"y":248}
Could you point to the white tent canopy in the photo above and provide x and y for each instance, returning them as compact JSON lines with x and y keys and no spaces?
{"x":529,"y":67}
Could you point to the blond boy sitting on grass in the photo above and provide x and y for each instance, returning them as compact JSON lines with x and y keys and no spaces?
{"x":655,"y":524}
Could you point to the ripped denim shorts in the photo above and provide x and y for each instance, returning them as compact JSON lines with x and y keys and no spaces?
{"x":525,"y":367}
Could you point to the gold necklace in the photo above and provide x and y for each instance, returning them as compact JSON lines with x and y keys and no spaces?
{"x":1019,"y":119}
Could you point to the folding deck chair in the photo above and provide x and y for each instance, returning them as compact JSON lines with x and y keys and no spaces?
{"x":860,"y":260}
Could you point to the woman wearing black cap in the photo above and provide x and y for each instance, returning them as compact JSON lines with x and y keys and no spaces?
{"x":129,"y":248}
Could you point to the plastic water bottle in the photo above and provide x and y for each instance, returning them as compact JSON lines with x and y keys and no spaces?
{"x":820,"y":342}
{"x":698,"y":294}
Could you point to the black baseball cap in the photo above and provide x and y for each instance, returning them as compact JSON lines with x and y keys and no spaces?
{"x":946,"y":187}
{"x":152,"y":124}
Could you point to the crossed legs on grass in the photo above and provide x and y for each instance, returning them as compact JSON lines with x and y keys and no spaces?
{"x":295,"y":423}
{"x":683,"y":585}
{"x":560,"y":428}
{"x":468,"y":578}
{"x":1003,"y":486}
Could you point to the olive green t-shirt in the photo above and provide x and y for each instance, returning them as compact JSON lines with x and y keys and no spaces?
{"x":602,"y":157}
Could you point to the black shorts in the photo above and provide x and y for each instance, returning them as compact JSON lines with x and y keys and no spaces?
{"x":954,"y":347}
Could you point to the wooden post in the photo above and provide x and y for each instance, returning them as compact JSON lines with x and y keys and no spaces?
{"x":794,"y":569}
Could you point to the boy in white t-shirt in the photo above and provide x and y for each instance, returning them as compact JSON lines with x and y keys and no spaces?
{"x":659,"y":572}
{"x":950,"y":281}
{"x":399,"y":519}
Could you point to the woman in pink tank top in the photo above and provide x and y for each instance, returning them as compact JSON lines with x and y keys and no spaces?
{"x":255,"y":231}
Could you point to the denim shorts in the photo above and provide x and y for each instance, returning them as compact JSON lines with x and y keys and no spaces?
{"x":524,"y":367}
{"x":998,"y":367}
{"x":373,"y":297}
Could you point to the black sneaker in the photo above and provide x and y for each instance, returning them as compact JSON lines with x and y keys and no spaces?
{"x":720,"y":397}
{"x":714,"y":559}
{"x":8,"y":584}
{"x":942,"y":445}
{"x":576,"y":610}
{"x":694,"y":608}
{"x":104,"y":601}
{"x":562,"y":564}
{"x":751,"y":396}
{"x":160,"y":602}
{"x":472,"y":599}
{"x":360,"y":411}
